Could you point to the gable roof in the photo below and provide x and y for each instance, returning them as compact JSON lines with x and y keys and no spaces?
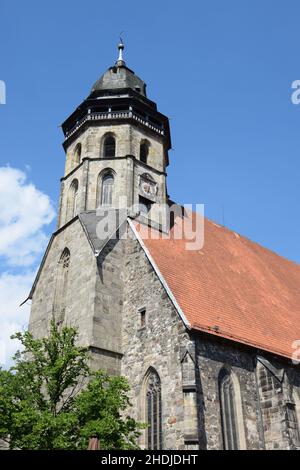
{"x":232,"y":287}
{"x":89,"y":221}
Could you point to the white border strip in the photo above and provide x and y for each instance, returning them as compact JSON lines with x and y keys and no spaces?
{"x":160,"y":276}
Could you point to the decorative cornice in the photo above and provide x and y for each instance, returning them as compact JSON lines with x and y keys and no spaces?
{"x":129,"y":115}
{"x":99,"y":159}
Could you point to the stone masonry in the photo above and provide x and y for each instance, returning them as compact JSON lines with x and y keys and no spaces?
{"x":118,"y":300}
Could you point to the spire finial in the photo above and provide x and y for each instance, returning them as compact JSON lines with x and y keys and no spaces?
{"x":121,"y":46}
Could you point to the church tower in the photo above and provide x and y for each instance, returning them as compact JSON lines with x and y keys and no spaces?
{"x":116,"y":145}
{"x":180,"y":324}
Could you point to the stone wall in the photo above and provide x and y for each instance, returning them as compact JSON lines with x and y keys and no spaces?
{"x":128,"y":138}
{"x":269,"y":414}
{"x":158,"y":344}
{"x":107,"y":319}
{"x":279,"y":398}
{"x":80,"y":292}
{"x":126,"y":168}
{"x":189,"y":366}
{"x":212,"y":355}
{"x":105,"y":300}
{"x":93,"y":296}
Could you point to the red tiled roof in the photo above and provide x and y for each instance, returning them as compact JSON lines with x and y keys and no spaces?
{"x":232,"y":287}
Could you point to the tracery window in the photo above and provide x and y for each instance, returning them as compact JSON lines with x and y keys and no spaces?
{"x":61,"y":286}
{"x":107,"y":186}
{"x":153,"y":411}
{"x":228,"y":411}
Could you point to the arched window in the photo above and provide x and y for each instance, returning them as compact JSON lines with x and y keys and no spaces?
{"x":144,"y":150}
{"x":153,"y":411}
{"x":109,"y":147}
{"x":107,"y":187}
{"x":229,"y":412}
{"x":77,"y":154}
{"x":72,"y":200}
{"x":188,"y":370}
{"x":61,"y":286}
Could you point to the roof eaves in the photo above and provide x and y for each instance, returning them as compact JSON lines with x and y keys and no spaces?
{"x":238,"y":339}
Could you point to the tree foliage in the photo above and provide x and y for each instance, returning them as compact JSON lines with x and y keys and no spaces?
{"x":50,"y":398}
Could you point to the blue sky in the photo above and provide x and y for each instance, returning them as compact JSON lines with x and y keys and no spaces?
{"x":222,"y":71}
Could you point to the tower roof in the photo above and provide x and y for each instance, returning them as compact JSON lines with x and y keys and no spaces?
{"x":119,"y":76}
{"x":119,"y":94}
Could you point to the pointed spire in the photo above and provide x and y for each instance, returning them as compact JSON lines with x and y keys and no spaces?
{"x":120,"y":60}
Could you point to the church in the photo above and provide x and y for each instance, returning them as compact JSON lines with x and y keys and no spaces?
{"x":204,"y":334}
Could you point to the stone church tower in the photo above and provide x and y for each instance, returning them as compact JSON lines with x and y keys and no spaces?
{"x":116,"y":145}
{"x":204,"y":336}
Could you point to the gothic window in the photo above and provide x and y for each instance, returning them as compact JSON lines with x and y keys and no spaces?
{"x":228,"y":411}
{"x":77,"y":154}
{"x":109,"y":147}
{"x":72,"y":200}
{"x":61,"y":286}
{"x":144,"y":150}
{"x":153,"y":411}
{"x":188,"y":370}
{"x":107,"y":189}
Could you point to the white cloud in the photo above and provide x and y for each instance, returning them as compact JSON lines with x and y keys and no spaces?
{"x":14,"y":289}
{"x":24,"y":213}
{"x":24,"y":210}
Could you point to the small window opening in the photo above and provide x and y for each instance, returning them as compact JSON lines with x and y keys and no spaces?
{"x":109,"y":147}
{"x":77,"y":154}
{"x":144,"y":206}
{"x":143,"y":318}
{"x":144,"y":150}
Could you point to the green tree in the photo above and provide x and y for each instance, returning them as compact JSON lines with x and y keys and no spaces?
{"x":50,"y":399}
